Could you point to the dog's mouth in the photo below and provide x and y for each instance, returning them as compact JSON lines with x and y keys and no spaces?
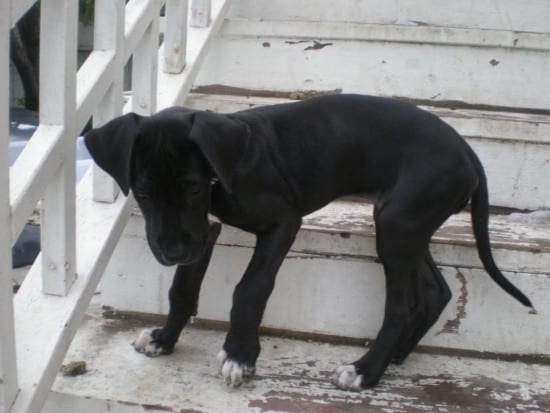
{"x":187,"y":257}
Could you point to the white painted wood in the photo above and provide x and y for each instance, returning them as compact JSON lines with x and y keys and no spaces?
{"x":514,"y":147}
{"x":8,"y":365}
{"x":200,"y":13}
{"x":43,"y":340}
{"x":527,"y":16}
{"x":58,"y":107}
{"x":144,"y":71}
{"x":139,"y":14}
{"x":291,"y":376}
{"x":332,"y":272}
{"x":199,"y":42}
{"x":477,"y":76}
{"x":32,"y":171}
{"x":109,"y":36}
{"x":395,"y":33}
{"x":175,"y":37}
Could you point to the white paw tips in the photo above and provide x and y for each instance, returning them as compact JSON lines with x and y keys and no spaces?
{"x":222,"y":356}
{"x":347,"y":378}
{"x":233,"y":372}
{"x":145,"y":344}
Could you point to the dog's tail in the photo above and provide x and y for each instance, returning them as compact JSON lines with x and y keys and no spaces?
{"x":480,"y":224}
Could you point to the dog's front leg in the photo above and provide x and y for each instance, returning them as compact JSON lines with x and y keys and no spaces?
{"x":183,"y":298}
{"x":242,"y":344}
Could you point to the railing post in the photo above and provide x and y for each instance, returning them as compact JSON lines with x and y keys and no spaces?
{"x":144,"y":71}
{"x":109,"y":36}
{"x":58,"y":46}
{"x":200,"y":13}
{"x":8,"y":366}
{"x":175,"y":36}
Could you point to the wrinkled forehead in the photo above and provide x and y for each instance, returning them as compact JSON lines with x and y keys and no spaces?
{"x":161,"y":159}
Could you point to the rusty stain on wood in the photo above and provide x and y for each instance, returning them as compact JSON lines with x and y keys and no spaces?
{"x":452,"y":326}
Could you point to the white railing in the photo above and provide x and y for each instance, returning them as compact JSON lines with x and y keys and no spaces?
{"x":78,"y":234}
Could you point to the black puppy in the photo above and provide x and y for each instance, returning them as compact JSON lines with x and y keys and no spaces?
{"x":262,"y":170}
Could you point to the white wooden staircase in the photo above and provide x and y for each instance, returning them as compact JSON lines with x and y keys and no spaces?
{"x":483,"y":67}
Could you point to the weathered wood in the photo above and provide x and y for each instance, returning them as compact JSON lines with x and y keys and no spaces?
{"x":199,"y":43}
{"x":144,"y":71}
{"x":477,"y":65}
{"x":486,"y":15}
{"x":43,"y":340}
{"x":58,"y":107}
{"x":175,"y":36}
{"x":392,"y":33}
{"x":292,"y":376}
{"x":200,"y":13}
{"x":8,"y":365}
{"x":331,"y":282}
{"x":514,"y":147}
{"x":109,"y":36}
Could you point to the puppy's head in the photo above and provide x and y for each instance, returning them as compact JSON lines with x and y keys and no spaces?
{"x":168,"y":160}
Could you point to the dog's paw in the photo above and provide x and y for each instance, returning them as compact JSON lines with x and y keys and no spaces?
{"x":233,"y":372}
{"x":149,"y":343}
{"x":346,"y":377}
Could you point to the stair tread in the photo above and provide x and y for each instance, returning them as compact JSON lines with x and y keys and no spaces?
{"x":515,"y":231}
{"x":292,"y":376}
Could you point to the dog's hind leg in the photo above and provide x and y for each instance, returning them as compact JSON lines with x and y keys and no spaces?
{"x":183,"y":298}
{"x":435,"y":294}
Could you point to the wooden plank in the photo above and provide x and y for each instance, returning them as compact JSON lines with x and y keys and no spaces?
{"x":32,"y":171}
{"x":175,"y":37}
{"x":58,"y":107}
{"x":92,"y":81}
{"x":393,"y":33}
{"x":144,"y":71}
{"x":199,"y":41}
{"x":139,"y":14}
{"x":200,"y":13}
{"x":291,"y":376}
{"x":531,"y":16}
{"x":8,"y":365}
{"x":109,"y":36}
{"x":42,"y":341}
{"x":461,"y":75}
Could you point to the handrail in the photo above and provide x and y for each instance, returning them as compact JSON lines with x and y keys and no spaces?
{"x":45,"y":169}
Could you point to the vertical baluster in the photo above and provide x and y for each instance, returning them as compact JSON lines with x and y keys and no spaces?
{"x":144,"y":71}
{"x":200,"y":13}
{"x":175,"y":36}
{"x":58,"y":47}
{"x":109,"y":36}
{"x":8,"y":367}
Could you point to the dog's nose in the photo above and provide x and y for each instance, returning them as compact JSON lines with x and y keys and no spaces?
{"x":175,"y":252}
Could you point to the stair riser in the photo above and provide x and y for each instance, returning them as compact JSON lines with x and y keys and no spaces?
{"x":342,"y":295}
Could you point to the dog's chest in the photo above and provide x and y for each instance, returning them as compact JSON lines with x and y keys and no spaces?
{"x":244,"y":212}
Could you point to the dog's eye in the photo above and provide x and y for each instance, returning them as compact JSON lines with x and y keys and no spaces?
{"x":192,"y":188}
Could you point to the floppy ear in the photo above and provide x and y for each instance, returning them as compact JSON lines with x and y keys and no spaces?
{"x":111,"y":147}
{"x":222,"y":141}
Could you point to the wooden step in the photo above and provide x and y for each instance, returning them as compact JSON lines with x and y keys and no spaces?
{"x":292,"y":376}
{"x":332,"y":284}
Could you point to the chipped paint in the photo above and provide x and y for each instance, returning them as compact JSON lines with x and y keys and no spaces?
{"x":452,"y":326}
{"x":318,"y":45}
{"x":292,"y":376}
